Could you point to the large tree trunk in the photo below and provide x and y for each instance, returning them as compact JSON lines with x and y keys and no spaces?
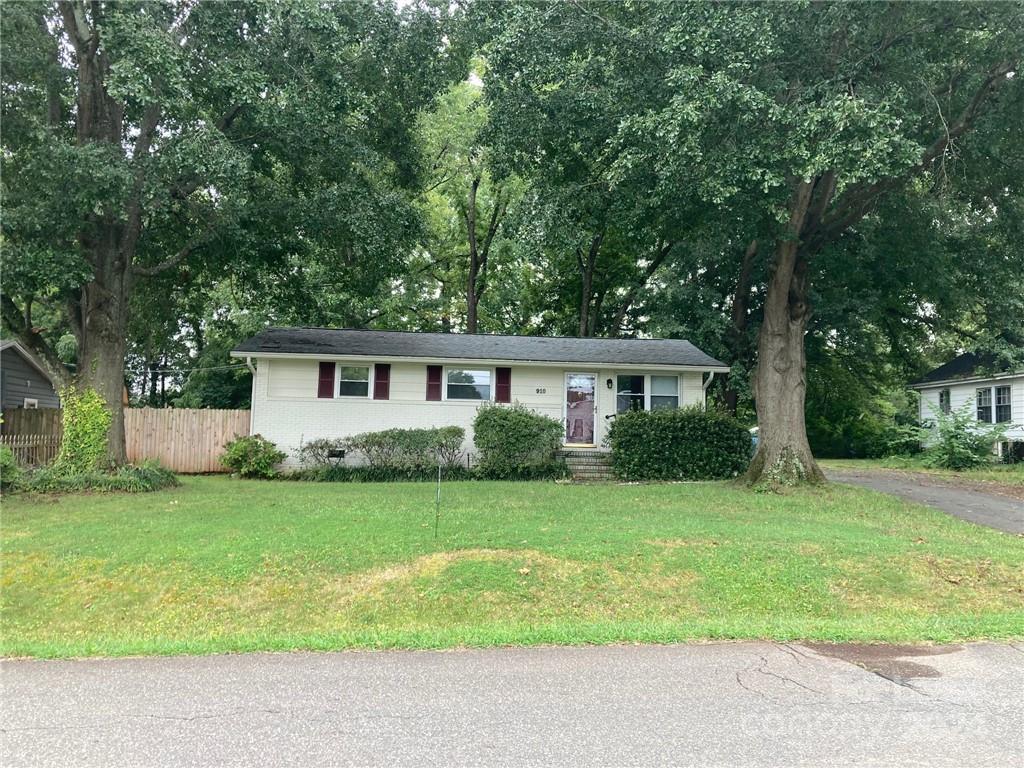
{"x":783,"y":454}
{"x":472,"y":295}
{"x":103,"y":324}
{"x":739,"y":316}
{"x":587,"y":264}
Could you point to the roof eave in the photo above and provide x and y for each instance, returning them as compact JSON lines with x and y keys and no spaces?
{"x":965,"y":380}
{"x":714,"y":365}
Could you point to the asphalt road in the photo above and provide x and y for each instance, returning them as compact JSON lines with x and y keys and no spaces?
{"x":968,"y":503}
{"x":727,"y":704}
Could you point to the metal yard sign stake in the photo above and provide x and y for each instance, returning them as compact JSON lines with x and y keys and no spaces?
{"x":437,"y":503}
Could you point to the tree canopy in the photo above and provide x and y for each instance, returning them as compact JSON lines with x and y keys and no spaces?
{"x":826,"y":195}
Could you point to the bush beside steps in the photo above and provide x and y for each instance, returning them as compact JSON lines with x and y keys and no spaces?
{"x":678,"y":444}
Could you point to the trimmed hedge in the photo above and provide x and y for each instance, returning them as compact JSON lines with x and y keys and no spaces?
{"x":366,"y":474}
{"x":678,"y":444}
{"x":403,"y":450}
{"x":515,"y":443}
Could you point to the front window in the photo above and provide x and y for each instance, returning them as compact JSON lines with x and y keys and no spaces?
{"x":664,"y":392}
{"x":468,"y":385}
{"x":984,"y":401}
{"x":944,"y":402}
{"x":353,"y":381}
{"x":641,"y":393}
{"x":1002,"y":404}
{"x":630,"y":394}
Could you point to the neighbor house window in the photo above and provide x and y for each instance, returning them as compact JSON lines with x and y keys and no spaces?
{"x":664,"y":392}
{"x":984,"y":401}
{"x":629,"y":394}
{"x":646,"y":393}
{"x":353,"y":381}
{"x":1002,"y":404}
{"x":944,"y":400}
{"x":468,"y":385}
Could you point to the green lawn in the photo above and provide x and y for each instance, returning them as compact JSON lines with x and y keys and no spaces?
{"x":228,"y":565}
{"x":1005,"y":474}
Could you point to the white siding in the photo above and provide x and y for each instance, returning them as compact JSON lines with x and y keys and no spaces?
{"x":963,"y":394}
{"x":286,"y":410}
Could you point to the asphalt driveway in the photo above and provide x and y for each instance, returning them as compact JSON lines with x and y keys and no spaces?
{"x":735,"y":704}
{"x":968,"y":503}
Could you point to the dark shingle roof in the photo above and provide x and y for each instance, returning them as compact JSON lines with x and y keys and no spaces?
{"x":441,"y":346}
{"x":966,"y":366}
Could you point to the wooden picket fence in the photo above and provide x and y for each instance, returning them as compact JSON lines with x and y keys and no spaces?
{"x":32,"y":450}
{"x":188,"y":440}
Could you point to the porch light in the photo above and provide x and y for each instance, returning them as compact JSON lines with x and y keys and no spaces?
{"x":610,"y":384}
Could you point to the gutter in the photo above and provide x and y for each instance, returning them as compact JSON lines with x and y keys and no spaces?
{"x":969,"y":380}
{"x":705,"y":386}
{"x":604,"y":365}
{"x":252,"y":392}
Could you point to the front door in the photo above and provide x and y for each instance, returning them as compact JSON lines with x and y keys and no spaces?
{"x":579,"y":408}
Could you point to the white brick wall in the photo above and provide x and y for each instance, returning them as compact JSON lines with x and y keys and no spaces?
{"x":286,"y":410}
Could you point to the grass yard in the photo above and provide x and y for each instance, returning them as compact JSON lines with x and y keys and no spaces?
{"x":229,"y":565}
{"x":1003,"y":474}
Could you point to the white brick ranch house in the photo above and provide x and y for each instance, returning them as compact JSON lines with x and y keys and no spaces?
{"x":997,"y":396}
{"x":311,"y":383}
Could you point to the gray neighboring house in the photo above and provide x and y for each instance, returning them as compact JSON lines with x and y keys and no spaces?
{"x":24,"y":382}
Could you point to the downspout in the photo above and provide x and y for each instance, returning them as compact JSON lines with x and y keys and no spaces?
{"x":252,"y":391}
{"x":707,"y":384}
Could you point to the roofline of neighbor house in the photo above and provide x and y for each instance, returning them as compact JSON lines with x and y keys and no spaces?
{"x":242,"y":355}
{"x":28,"y":356}
{"x":967,"y":380}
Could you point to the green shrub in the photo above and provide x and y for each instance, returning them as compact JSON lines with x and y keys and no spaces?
{"x":958,"y":441}
{"x":367,"y":474}
{"x":252,"y":456}
{"x":317,"y":453}
{"x":83,"y":444}
{"x":148,"y":476}
{"x":513,"y":442}
{"x":10,"y":472}
{"x":678,"y":444}
{"x":410,"y":449}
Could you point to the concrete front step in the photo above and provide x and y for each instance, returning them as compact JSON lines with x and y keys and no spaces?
{"x":589,"y":465}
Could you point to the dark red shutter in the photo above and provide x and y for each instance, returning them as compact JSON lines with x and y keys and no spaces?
{"x":325,"y":385}
{"x":503,"y":385}
{"x":433,"y":382}
{"x":381,"y":381}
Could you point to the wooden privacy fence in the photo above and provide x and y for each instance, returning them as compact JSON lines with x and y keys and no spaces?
{"x":182,"y":439}
{"x":31,"y":421}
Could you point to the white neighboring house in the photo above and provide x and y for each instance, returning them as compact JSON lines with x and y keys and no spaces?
{"x":311,"y":383}
{"x":997,"y":398}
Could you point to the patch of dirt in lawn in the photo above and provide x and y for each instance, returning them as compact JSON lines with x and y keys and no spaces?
{"x":520,"y":585}
{"x":922,"y":582}
{"x":432,"y":565}
{"x":680,"y":543}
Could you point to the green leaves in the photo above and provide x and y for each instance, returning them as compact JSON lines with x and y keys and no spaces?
{"x":678,"y":444}
{"x":513,"y":442}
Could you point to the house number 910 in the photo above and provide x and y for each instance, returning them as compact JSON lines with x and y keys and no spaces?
{"x":542,"y":390}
